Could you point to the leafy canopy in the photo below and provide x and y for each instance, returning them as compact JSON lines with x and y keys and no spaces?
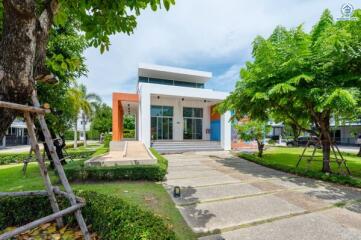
{"x":302,"y":77}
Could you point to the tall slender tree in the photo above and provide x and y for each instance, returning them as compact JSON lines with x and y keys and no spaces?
{"x":84,"y":105}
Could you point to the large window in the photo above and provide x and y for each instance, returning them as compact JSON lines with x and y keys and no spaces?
{"x":161,"y":122}
{"x":193,"y":119}
{"x":171,"y":82}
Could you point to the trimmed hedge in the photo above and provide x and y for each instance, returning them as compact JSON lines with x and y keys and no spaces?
{"x":334,"y":178}
{"x":110,"y":217}
{"x":7,"y":158}
{"x":77,"y":171}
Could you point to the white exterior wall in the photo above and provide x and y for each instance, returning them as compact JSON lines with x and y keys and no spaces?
{"x":178,"y":105}
{"x":146,"y":91}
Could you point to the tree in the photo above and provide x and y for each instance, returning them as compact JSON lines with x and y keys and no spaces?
{"x":65,"y":59}
{"x":25,"y":35}
{"x":102,"y":120}
{"x":84,"y":104}
{"x":254,"y":131}
{"x":301,"y":76}
{"x":129,"y":122}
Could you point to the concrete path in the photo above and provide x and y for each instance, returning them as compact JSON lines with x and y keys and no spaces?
{"x":224,"y":197}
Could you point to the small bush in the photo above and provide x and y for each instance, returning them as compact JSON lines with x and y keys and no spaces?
{"x":107,"y":139}
{"x":110,"y":217}
{"x":77,"y":171}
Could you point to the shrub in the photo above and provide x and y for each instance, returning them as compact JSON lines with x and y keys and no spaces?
{"x":7,"y":158}
{"x":107,"y":139}
{"x":77,"y":171}
{"x":110,"y":217}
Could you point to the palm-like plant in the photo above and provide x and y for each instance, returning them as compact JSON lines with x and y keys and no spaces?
{"x":84,"y":104}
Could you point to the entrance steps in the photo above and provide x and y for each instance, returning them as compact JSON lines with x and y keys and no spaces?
{"x":186,"y":146}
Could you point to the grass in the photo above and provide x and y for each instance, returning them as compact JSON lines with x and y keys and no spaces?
{"x":285,"y":159}
{"x":148,"y":195}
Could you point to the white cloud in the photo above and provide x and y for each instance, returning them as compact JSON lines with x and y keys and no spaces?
{"x":211,"y":35}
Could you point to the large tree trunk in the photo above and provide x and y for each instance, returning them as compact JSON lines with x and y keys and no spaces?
{"x":359,"y":152}
{"x":296,"y":133}
{"x":22,"y":52}
{"x":17,"y":54}
{"x":325,"y":131}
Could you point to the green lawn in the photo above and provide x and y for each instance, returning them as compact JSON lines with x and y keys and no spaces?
{"x":148,"y":195}
{"x":285,"y":158}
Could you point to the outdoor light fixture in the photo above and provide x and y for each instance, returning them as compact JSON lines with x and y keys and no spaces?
{"x":204,"y":100}
{"x":176,"y":191}
{"x":158,"y":97}
{"x":182,"y":99}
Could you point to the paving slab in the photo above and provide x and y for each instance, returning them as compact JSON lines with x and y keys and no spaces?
{"x":192,"y":174}
{"x":216,"y":192}
{"x":201,"y":181}
{"x":213,"y":216}
{"x":333,"y":224}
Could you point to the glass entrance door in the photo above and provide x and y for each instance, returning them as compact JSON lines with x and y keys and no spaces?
{"x":161,"y":123}
{"x":193,"y":123}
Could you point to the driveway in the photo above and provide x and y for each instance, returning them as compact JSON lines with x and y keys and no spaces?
{"x":224,"y":197}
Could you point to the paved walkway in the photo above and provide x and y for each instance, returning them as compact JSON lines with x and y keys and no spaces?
{"x":224,"y":197}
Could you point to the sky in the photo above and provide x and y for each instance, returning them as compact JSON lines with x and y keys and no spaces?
{"x":209,"y":35}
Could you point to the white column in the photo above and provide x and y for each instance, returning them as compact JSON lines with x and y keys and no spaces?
{"x":145,"y":121}
{"x":226,"y":131}
{"x":4,"y":141}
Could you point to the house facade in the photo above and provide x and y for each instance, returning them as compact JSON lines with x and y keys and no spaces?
{"x":172,"y":105}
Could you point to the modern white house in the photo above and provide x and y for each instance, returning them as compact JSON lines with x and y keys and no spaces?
{"x":173,"y":109}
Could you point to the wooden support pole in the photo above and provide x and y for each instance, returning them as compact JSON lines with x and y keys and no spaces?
{"x":40,"y":221}
{"x":24,"y":108}
{"x":59,"y":169}
{"x":42,"y":166}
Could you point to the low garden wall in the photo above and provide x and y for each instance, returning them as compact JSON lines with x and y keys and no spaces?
{"x":110,"y":217}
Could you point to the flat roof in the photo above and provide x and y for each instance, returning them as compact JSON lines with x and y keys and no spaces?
{"x":173,"y":73}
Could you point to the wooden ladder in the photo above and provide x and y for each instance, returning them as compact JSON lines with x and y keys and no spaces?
{"x":76,"y":203}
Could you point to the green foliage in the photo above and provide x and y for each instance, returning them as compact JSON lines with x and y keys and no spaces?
{"x":77,"y":171}
{"x":100,"y":19}
{"x":302,"y":78}
{"x":129,"y":133}
{"x":7,"y":158}
{"x":107,"y":140}
{"x":109,"y":216}
{"x":252,"y":130}
{"x":102,"y":120}
{"x":129,"y":122}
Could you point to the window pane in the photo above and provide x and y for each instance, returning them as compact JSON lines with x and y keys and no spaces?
{"x":187,"y":112}
{"x":168,"y":111}
{"x":154,"y":128}
{"x":198,"y":112}
{"x":156,"y":111}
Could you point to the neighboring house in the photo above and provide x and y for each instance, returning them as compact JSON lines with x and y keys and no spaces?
{"x":80,"y":122}
{"x":17,"y":134}
{"x":172,"y":105}
{"x":346,"y":133}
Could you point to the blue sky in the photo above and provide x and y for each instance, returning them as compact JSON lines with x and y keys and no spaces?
{"x":210,"y":35}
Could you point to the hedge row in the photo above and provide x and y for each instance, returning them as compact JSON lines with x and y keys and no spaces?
{"x":110,"y":217}
{"x":78,"y":171}
{"x":7,"y":158}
